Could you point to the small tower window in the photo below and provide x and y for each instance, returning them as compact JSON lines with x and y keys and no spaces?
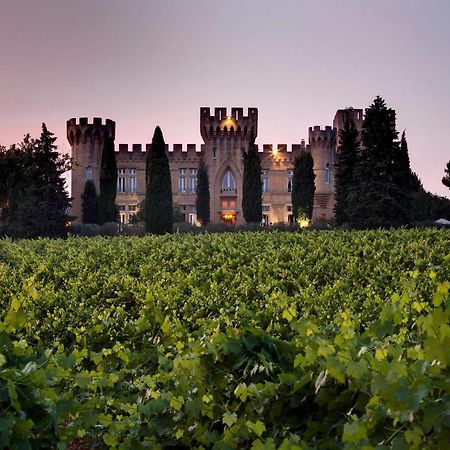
{"x":88,"y":173}
{"x":265,"y":181}
{"x":290,"y":174}
{"x":214,"y":152}
{"x":327,"y":174}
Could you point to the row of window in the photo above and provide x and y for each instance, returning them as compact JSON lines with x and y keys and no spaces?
{"x":187,"y":180}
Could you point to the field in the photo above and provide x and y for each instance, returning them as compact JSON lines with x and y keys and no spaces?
{"x":310,"y":340}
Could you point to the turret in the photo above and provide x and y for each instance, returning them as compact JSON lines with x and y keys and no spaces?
{"x":228,"y":126}
{"x":86,"y":140}
{"x":322,"y":144}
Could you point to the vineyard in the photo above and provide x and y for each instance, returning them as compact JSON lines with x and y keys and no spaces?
{"x":308,"y":340}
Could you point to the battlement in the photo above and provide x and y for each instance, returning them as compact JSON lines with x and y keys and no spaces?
{"x":138,"y":151}
{"x":226,"y":124}
{"x":280,"y":149}
{"x":82,"y":129}
{"x":322,"y":138}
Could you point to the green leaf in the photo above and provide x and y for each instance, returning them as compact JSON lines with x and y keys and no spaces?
{"x":257,"y":427}
{"x":229,"y":418}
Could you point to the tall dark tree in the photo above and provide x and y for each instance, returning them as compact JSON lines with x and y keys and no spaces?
{"x":344,"y":169}
{"x":89,"y":205}
{"x":252,"y":185}
{"x":158,"y":208}
{"x":202,"y":191}
{"x":303,"y":187}
{"x":108,"y":183}
{"x":379,"y":200}
{"x":446,"y":178}
{"x":38,"y":201}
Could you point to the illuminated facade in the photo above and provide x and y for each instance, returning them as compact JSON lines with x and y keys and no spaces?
{"x":226,"y":136}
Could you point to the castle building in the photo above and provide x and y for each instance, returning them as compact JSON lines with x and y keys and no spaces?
{"x":226,"y":136}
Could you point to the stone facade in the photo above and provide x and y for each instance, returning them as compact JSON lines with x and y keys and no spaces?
{"x":226,"y":137}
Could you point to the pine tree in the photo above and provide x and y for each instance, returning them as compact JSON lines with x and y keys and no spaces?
{"x":380,"y":198}
{"x":38,"y":200}
{"x":89,"y":206}
{"x":344,"y":168}
{"x":446,"y":178}
{"x":158,"y":194}
{"x":252,"y":185}
{"x":303,"y":187}
{"x":108,"y":183}
{"x":202,"y":190}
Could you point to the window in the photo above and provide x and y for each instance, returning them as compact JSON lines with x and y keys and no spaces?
{"x":265,"y":181}
{"x":122,"y":215}
{"x":228,"y":182}
{"x":132,"y":180}
{"x":88,"y":174}
{"x":132,"y":208}
{"x":121,"y":186}
{"x":327,"y":174}
{"x":192,"y":218}
{"x":290,"y":174}
{"x":228,"y":204}
{"x":193,"y":180}
{"x":182,"y":180}
{"x":214,"y":152}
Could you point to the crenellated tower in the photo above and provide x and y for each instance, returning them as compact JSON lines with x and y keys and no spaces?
{"x":226,"y":136}
{"x":87,"y":141}
{"x":322,"y":144}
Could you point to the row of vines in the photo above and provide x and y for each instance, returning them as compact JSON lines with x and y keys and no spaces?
{"x":313,"y":340}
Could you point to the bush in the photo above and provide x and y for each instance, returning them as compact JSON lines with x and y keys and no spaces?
{"x":92,"y":229}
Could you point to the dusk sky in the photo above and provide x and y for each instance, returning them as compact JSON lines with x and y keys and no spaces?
{"x":144,"y":63}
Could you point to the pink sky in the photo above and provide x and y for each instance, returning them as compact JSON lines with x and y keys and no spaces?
{"x":144,"y":63}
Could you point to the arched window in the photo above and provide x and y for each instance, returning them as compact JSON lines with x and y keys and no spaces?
{"x":327,"y":174}
{"x":88,"y":174}
{"x":228,"y":181}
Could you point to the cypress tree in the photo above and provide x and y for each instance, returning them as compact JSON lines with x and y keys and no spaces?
{"x":344,"y":168}
{"x":158,"y":208}
{"x":108,"y":183}
{"x":303,"y":187}
{"x":446,"y":178}
{"x":252,"y":185}
{"x":379,"y":199}
{"x":89,"y":206}
{"x":202,"y":190}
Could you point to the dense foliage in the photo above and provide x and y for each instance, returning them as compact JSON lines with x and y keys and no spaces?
{"x":158,"y":207}
{"x":344,"y":179}
{"x":89,"y":205}
{"x":202,"y":198}
{"x":303,"y":187}
{"x":379,"y":197}
{"x":252,"y":185}
{"x":31,"y":181}
{"x":108,"y":183}
{"x":250,"y":340}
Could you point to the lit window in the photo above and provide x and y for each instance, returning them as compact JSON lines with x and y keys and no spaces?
{"x":228,"y":182}
{"x":182,"y":180}
{"x":327,"y":174}
{"x":121,"y":185}
{"x":122,"y":215}
{"x":88,"y":173}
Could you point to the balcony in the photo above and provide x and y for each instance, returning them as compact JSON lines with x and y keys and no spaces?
{"x":228,"y":191}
